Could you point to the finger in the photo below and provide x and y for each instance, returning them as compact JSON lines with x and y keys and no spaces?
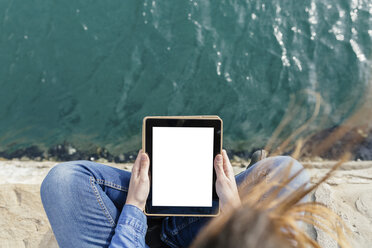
{"x":218,"y":161}
{"x":227,"y":165}
{"x":136,"y":166}
{"x":145,"y":164}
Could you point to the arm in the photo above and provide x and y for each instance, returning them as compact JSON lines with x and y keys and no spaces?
{"x":132,"y":224}
{"x":131,"y":228}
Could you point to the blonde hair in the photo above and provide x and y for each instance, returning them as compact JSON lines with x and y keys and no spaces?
{"x":268,"y":219}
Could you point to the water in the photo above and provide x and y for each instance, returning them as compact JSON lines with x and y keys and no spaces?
{"x":88,"y":72}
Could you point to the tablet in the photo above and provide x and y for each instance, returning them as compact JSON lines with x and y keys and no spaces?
{"x":182,"y":177}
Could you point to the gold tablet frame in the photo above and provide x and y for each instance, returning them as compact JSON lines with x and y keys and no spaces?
{"x":189,"y":117}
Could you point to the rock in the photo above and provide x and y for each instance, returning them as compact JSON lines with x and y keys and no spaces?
{"x":24,"y":158}
{"x":317,"y":159}
{"x":71,"y":150}
{"x":122,"y":157}
{"x":23,"y":222}
{"x":102,"y":161}
{"x":236,"y":158}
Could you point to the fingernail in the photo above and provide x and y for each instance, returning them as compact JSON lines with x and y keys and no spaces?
{"x":143,"y":157}
{"x":219,"y":158}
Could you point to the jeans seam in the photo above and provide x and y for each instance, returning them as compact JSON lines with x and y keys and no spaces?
{"x":166,"y":240}
{"x":112,"y":185}
{"x":136,"y":238}
{"x":101,"y":203}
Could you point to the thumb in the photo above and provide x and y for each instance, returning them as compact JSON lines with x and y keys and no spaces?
{"x":145,"y":164}
{"x":218,"y":165}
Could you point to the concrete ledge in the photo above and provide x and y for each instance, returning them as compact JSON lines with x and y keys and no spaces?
{"x":23,"y":222}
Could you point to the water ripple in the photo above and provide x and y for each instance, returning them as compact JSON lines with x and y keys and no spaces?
{"x":358,"y":52}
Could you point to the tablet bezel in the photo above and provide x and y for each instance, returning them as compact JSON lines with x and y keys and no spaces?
{"x":182,"y":121}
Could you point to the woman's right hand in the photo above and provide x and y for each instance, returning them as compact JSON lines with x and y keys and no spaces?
{"x":226,"y":188}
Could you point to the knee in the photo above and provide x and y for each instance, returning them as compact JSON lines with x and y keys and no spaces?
{"x":287,"y":161}
{"x":298,"y":175}
{"x":60,"y":179}
{"x":281,"y":164}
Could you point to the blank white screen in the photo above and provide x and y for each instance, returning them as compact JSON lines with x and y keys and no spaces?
{"x":182,"y":166}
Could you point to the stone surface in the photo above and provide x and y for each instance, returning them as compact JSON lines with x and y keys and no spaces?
{"x":23,"y":222}
{"x":349,"y":194}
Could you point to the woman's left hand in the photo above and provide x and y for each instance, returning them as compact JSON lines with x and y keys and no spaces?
{"x":139,"y":186}
{"x":226,"y":188}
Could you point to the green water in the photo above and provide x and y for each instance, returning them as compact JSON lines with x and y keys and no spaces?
{"x":87,"y":72}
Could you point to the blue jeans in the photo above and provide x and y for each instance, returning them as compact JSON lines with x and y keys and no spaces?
{"x":83,"y":201}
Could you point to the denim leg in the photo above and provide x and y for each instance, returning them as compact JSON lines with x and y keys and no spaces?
{"x":180,"y":231}
{"x":83,"y":201}
{"x":273,"y":168}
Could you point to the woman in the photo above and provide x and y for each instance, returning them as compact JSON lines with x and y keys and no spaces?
{"x":93,"y":205}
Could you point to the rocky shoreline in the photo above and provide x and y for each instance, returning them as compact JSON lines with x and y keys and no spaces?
{"x":357,"y":141}
{"x":67,"y":152}
{"x":23,"y":222}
